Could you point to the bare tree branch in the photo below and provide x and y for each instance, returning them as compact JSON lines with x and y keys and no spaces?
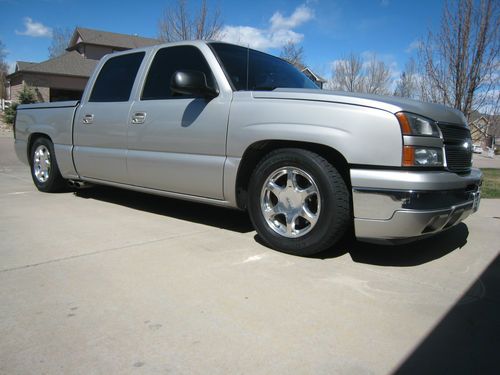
{"x":377,"y":77}
{"x":351,"y":74}
{"x":461,"y":60}
{"x":294,"y":54}
{"x":60,"y":41}
{"x":407,"y":85}
{"x":178,"y":24}
{"x":347,"y":74}
{"x":4,"y":69}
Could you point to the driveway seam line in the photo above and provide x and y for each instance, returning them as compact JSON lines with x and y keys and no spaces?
{"x":97,"y":252}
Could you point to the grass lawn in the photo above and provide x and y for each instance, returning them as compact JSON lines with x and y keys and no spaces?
{"x":491,"y":183}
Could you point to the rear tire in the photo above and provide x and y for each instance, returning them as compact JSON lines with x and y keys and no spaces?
{"x":298,"y":202}
{"x":44,"y":170}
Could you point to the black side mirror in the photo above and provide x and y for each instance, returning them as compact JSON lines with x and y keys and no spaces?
{"x":192,"y":82}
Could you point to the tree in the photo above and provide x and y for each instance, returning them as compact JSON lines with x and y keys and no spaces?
{"x":178,"y":24}
{"x":293,"y":54}
{"x":10,"y":114}
{"x":26,"y":96}
{"x":407,"y":85}
{"x":461,"y":61}
{"x":377,"y":77}
{"x":60,"y":41}
{"x":4,"y":69}
{"x":354,"y":75}
{"x":347,"y":74}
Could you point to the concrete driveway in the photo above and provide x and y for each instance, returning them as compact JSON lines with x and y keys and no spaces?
{"x":107,"y":281}
{"x":483,"y":161}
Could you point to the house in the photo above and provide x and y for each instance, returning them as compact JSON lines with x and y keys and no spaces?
{"x":493,"y":139}
{"x":485,"y":129}
{"x":319,"y":81}
{"x":64,"y":77}
{"x":479,"y":127}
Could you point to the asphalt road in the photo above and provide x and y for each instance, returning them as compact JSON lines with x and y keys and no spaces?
{"x":105,"y":281}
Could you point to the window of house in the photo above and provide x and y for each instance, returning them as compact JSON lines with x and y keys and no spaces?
{"x":166,"y":62}
{"x":116,"y":78}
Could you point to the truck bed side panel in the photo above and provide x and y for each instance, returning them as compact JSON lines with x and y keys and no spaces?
{"x":54,"y":120}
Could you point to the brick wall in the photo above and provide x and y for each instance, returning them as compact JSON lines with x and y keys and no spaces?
{"x":42,"y":94}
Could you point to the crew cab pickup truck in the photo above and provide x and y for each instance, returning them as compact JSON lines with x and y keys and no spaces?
{"x":226,"y":125}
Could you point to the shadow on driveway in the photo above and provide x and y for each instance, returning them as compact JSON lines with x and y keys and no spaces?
{"x":411,"y":254}
{"x":467,"y":340}
{"x":219,"y":217}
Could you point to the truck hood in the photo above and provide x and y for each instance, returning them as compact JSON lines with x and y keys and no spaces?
{"x":393,"y":104}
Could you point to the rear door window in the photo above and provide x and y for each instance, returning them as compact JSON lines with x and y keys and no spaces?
{"x":116,"y":78}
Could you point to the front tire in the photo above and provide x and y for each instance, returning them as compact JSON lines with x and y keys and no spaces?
{"x":298,"y":202}
{"x":44,"y":170}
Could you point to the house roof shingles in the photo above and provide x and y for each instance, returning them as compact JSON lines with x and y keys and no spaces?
{"x":70,"y":64}
{"x":22,"y":65}
{"x":106,"y":38}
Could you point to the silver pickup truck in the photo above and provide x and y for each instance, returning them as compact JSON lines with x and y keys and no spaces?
{"x":226,"y":125}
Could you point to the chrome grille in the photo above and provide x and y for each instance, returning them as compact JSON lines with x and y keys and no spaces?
{"x":458,"y":147}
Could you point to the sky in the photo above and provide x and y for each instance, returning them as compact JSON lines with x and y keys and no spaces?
{"x":328,"y":30}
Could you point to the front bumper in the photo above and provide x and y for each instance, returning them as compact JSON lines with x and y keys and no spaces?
{"x":397,"y":206}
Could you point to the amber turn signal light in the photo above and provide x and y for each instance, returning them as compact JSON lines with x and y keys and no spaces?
{"x":408,"y":156}
{"x":404,"y":123}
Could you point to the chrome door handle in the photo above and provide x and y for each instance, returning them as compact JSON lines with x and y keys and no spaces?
{"x":88,"y":119}
{"x":138,"y":118}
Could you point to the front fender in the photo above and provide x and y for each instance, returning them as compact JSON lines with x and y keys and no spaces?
{"x":364,"y":136}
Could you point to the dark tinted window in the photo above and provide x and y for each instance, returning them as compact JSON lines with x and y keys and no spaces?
{"x":116,"y":78}
{"x":265,"y":72}
{"x":166,"y":62}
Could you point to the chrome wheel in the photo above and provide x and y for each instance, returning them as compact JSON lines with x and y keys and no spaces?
{"x":41,"y":163}
{"x":290,"y":202}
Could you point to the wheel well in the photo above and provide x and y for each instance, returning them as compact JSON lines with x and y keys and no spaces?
{"x":255,"y":152}
{"x":32,"y":138}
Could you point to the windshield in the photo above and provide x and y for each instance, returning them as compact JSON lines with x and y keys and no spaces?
{"x":264,"y":72}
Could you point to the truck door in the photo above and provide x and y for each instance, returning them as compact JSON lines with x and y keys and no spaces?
{"x":177,"y":143}
{"x":100,"y":130}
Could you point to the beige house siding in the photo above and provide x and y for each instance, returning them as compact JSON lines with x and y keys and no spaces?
{"x":56,"y":82}
{"x":14,"y":92}
{"x":94,"y":52}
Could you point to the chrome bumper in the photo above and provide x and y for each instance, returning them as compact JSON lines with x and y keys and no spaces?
{"x":387,"y":208}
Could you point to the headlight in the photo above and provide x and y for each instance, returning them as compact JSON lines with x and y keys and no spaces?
{"x":416,"y":156}
{"x":417,"y":125}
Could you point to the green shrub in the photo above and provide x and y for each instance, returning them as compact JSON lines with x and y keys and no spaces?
{"x":26,"y":96}
{"x":9,"y":114}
